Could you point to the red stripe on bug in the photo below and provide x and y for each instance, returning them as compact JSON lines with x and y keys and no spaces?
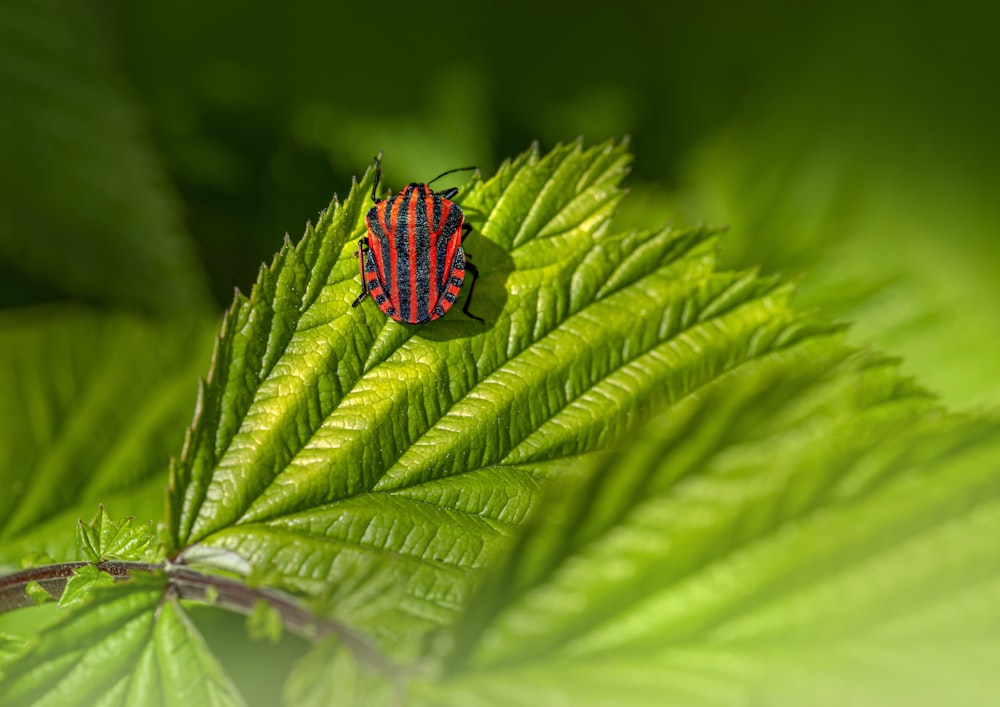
{"x":392,"y":221}
{"x":411,"y":251}
{"x":435,"y":229}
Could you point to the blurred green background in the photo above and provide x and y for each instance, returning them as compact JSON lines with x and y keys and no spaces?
{"x":154,"y":154}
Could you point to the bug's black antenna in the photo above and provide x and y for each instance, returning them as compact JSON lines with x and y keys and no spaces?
{"x":450,"y":171}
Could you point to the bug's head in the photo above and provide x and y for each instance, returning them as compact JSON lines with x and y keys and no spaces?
{"x":417,"y":190}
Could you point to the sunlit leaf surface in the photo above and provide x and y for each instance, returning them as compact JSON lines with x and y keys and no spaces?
{"x":337,"y":448}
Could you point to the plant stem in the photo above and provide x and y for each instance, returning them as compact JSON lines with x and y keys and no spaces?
{"x":195,"y":586}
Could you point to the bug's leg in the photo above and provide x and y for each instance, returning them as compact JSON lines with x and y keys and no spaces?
{"x":472,"y":288}
{"x":466,"y":230}
{"x":448,"y":193}
{"x":378,"y":176}
{"x":362,"y":250}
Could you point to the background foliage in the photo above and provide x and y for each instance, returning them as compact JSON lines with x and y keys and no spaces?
{"x":852,"y":145}
{"x":156,"y":152}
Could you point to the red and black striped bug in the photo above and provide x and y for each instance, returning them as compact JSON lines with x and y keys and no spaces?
{"x":412,"y":262}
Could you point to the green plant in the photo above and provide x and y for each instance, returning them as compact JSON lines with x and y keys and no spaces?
{"x":642,"y":481}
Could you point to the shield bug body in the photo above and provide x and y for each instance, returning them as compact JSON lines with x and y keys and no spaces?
{"x":412,"y":262}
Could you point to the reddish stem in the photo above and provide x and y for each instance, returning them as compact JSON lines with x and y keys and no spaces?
{"x":195,"y":586}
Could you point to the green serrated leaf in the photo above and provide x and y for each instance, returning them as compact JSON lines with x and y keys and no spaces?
{"x":93,"y":405}
{"x":331,"y":440}
{"x":80,"y":585}
{"x":104,"y":539}
{"x":130,"y":645}
{"x":808,"y":530}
